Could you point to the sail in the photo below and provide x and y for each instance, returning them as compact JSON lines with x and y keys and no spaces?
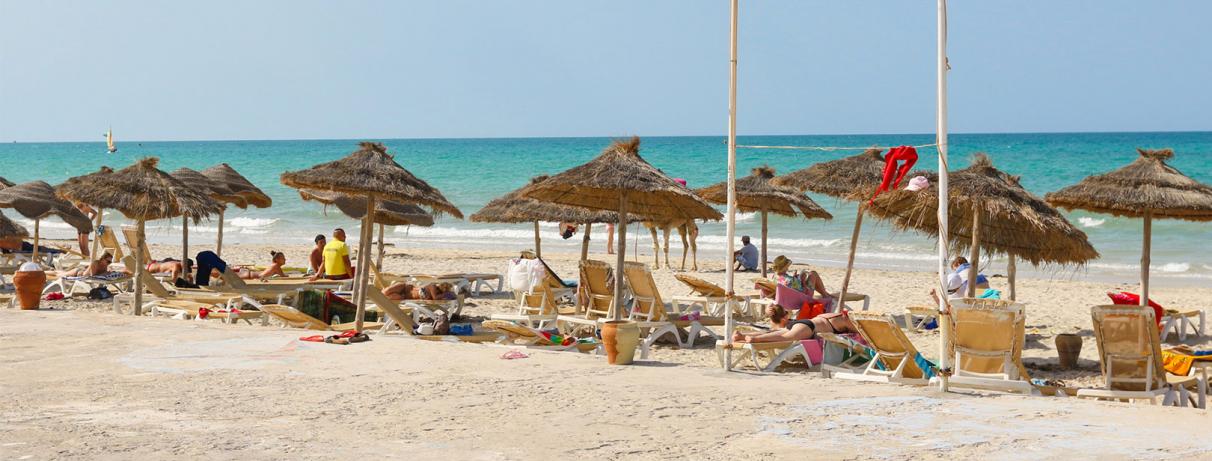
{"x":109,"y":141}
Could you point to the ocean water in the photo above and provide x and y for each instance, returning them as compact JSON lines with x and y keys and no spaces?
{"x":470,"y":172}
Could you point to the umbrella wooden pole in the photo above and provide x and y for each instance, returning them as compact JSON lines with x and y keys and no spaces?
{"x":96,"y":246}
{"x":585,"y":242}
{"x":1144,"y":258}
{"x":974,"y":253}
{"x":184,"y":242}
{"x":363,"y":260}
{"x":1011,"y":271}
{"x":622,"y":255}
{"x":854,"y":236}
{"x":538,"y":249}
{"x":37,"y":224}
{"x":140,"y":267}
{"x":219,"y":243}
{"x":763,"y":243}
{"x":382,"y":245}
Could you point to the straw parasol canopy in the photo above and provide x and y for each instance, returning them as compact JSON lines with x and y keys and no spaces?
{"x":10,"y":230}
{"x":386,"y":213}
{"x":373,"y":173}
{"x":36,"y":200}
{"x":223,"y":175}
{"x":515,"y":207}
{"x":620,"y":171}
{"x":1146,"y":188}
{"x":140,"y":192}
{"x":838,"y":178}
{"x":620,"y":180}
{"x":989,"y":210}
{"x":242,"y":193}
{"x":371,"y":170}
{"x":757,"y":193}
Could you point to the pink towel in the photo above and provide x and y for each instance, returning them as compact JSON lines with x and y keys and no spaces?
{"x":793,"y":299}
{"x":815,"y":349}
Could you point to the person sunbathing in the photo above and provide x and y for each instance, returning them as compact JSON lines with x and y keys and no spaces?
{"x":401,"y":291}
{"x":170,"y":265}
{"x":786,"y":329}
{"x":277,"y":262}
{"x":100,"y":266}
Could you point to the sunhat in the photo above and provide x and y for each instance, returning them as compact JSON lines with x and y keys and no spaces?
{"x":781,"y":263}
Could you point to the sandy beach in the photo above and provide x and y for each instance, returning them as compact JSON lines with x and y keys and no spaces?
{"x":85,"y":382}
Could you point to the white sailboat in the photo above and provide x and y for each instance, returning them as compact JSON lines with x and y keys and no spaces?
{"x":109,"y":141}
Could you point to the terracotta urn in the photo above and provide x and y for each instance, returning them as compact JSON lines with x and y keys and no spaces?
{"x":29,"y":282}
{"x":1069,"y":348}
{"x":620,"y":338}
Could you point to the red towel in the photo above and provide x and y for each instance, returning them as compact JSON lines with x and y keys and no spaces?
{"x":893,"y":174}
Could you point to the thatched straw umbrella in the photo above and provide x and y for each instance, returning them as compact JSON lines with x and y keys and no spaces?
{"x":757,"y":193}
{"x":620,"y":180}
{"x":241,"y":187}
{"x":104,"y":170}
{"x":214,"y":189}
{"x":989,"y":210}
{"x":36,"y":200}
{"x":10,"y":230}
{"x":386,"y":213}
{"x":840,"y":179}
{"x":371,"y":172}
{"x":140,"y":192}
{"x":516,"y":208}
{"x":1146,"y":188}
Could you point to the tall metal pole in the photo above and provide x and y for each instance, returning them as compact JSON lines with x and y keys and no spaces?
{"x":941,"y":127}
{"x":731,"y":232}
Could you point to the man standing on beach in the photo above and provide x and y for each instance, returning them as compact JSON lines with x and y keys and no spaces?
{"x":336,"y":258}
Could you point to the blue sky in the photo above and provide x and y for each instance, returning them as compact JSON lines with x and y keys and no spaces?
{"x":453,"y":68}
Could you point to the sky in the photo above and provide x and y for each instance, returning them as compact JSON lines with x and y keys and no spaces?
{"x":300,"y":69}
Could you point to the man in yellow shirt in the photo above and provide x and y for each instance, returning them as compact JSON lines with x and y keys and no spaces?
{"x":336,"y":258}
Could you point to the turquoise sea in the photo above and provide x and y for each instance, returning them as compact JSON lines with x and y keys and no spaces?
{"x":470,"y":172}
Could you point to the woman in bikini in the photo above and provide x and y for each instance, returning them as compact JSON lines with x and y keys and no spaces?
{"x":796,"y":330}
{"x":170,"y":265}
{"x":400,"y":291}
{"x":277,"y":261}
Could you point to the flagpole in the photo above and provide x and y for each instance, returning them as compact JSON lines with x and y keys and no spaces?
{"x":944,"y":321}
{"x":731,"y":232}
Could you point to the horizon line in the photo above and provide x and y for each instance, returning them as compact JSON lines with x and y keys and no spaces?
{"x":602,"y":136}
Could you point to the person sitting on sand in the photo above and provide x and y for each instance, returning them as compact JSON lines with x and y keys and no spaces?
{"x":747,"y":257}
{"x":100,"y":266}
{"x":277,"y":261}
{"x":315,"y":262}
{"x":400,"y":291}
{"x":170,"y":265}
{"x":785,"y":329}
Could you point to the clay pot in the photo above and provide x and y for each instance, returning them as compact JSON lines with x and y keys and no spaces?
{"x":620,"y":338}
{"x":1069,"y":348}
{"x":29,"y":288}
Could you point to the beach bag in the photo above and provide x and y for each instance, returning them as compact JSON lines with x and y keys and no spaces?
{"x":100,"y":293}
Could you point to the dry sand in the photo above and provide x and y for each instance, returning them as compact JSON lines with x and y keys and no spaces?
{"x":83,"y":382}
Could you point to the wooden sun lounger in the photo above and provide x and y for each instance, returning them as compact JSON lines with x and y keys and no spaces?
{"x":895,"y":356}
{"x":1129,"y":352}
{"x":987,"y":338}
